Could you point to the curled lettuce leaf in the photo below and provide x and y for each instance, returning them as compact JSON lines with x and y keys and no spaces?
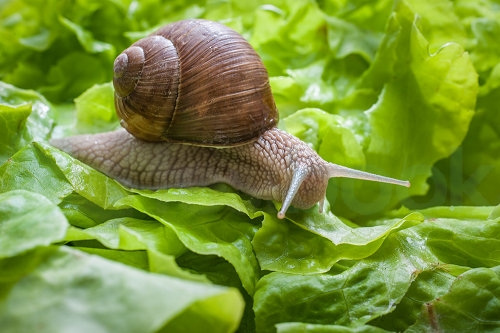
{"x":83,"y":213}
{"x":316,"y":328}
{"x":207,"y":230}
{"x":427,"y":286}
{"x":24,"y":116}
{"x":368,"y":289}
{"x":472,"y":303}
{"x":470,"y":175}
{"x":374,"y":286}
{"x":115,"y":296}
{"x":28,"y":220}
{"x":129,"y":236}
{"x":314,"y":242}
{"x":436,"y":91}
{"x":14,"y":133}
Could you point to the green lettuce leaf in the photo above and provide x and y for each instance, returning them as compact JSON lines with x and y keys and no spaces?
{"x":38,"y":124}
{"x":368,"y":289}
{"x":114,"y":296}
{"x":215,"y":230}
{"x":52,"y":173}
{"x":461,"y":213}
{"x":315,"y":328}
{"x":62,"y":86}
{"x":128,"y":236}
{"x":13,"y":135}
{"x":83,"y":213}
{"x":469,"y":242}
{"x":495,"y":213}
{"x":30,"y":170}
{"x":345,"y":38}
{"x":427,"y":286}
{"x":336,"y":138}
{"x":372,"y":85}
{"x":374,"y":286}
{"x":221,"y":272}
{"x":460,"y":242}
{"x":137,"y":259}
{"x":204,"y":196}
{"x":477,"y":161}
{"x":470,"y":175}
{"x":60,"y":49}
{"x":131,"y":234}
{"x":314,"y":242}
{"x":95,"y":109}
{"x":27,"y":221}
{"x":93,"y":112}
{"x":472,"y":304}
{"x":436,"y":91}
{"x":440,"y":24}
{"x":299,"y":35}
{"x":86,"y":39}
{"x":84,"y":180}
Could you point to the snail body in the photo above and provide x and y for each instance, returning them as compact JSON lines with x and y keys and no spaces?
{"x":258,"y":168}
{"x":195,"y":101}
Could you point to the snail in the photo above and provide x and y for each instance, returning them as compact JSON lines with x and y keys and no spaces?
{"x":196,"y":106}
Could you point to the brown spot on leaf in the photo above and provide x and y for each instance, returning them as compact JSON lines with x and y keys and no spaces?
{"x":433,"y":317}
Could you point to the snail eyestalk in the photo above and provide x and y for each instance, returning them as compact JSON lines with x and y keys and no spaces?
{"x":341,"y":171}
{"x":298,"y":177}
{"x":333,"y":170}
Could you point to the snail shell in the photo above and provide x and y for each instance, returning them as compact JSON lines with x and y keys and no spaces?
{"x":194,"y":81}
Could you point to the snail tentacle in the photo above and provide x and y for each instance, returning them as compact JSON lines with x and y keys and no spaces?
{"x":342,"y":171}
{"x":299,"y":175}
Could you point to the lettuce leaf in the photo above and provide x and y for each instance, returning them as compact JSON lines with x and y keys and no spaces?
{"x":374,"y":286}
{"x":128,"y":236}
{"x":72,"y":288}
{"x":83,"y":213}
{"x":221,"y":272}
{"x":470,"y":175}
{"x":368,"y":289}
{"x":28,"y":220}
{"x":14,"y":134}
{"x":436,"y":91}
{"x":316,"y":328}
{"x":207,"y":230}
{"x":427,"y":286}
{"x":472,"y":303}
{"x":314,"y":242}
{"x":15,"y":106}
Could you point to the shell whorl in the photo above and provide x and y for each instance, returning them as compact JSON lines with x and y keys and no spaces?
{"x":146,"y":80}
{"x":195,"y":81}
{"x":127,"y":69}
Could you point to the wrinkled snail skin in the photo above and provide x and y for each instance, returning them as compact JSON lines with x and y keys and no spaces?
{"x":263,"y":169}
{"x":195,"y":101}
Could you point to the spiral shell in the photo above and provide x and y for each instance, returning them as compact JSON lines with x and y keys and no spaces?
{"x":194,"y":81}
